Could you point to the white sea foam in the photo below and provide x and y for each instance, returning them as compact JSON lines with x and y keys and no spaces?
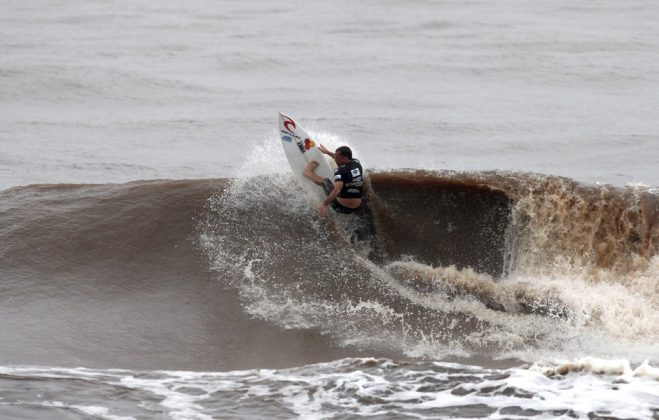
{"x":578,"y":389}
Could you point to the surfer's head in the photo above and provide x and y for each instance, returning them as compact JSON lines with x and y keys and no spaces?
{"x":343,"y":155}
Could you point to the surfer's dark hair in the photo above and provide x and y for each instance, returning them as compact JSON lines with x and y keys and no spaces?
{"x":345,"y":151}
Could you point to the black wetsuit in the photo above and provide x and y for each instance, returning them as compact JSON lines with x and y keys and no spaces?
{"x":352,"y":176}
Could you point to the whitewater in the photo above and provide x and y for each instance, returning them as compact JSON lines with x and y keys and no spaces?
{"x":157,"y":259}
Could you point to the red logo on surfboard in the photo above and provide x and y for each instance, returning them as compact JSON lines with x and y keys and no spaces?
{"x":288,"y":121}
{"x":308,"y":144}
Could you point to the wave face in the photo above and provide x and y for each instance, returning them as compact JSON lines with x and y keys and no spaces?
{"x":447,"y":264}
{"x":108,"y":276}
{"x":439,"y":221}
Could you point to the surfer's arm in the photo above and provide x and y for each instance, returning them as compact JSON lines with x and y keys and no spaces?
{"x":322,"y":207}
{"x":323,"y":149}
{"x":335,"y":193}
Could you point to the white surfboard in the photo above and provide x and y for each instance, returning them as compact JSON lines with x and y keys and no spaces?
{"x":301,"y":149}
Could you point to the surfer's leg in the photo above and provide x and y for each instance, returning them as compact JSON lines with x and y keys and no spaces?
{"x":308,"y":172}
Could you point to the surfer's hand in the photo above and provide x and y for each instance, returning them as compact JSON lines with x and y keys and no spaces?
{"x":323,"y":149}
{"x":322,"y":208}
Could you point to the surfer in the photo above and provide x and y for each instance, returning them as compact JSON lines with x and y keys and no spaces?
{"x":345,"y":195}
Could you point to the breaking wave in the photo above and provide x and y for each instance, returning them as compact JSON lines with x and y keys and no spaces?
{"x":449,"y":263}
{"x":445,"y":264}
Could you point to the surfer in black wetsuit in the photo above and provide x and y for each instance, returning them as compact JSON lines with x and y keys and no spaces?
{"x":345,"y":195}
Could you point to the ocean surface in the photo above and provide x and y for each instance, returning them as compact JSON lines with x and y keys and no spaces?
{"x":158,"y":260}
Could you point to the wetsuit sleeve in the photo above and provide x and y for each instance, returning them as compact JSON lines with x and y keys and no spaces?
{"x":339,"y":176}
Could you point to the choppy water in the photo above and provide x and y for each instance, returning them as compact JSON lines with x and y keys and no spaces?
{"x":476,"y":288}
{"x":378,"y":388}
{"x":100,"y":91}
